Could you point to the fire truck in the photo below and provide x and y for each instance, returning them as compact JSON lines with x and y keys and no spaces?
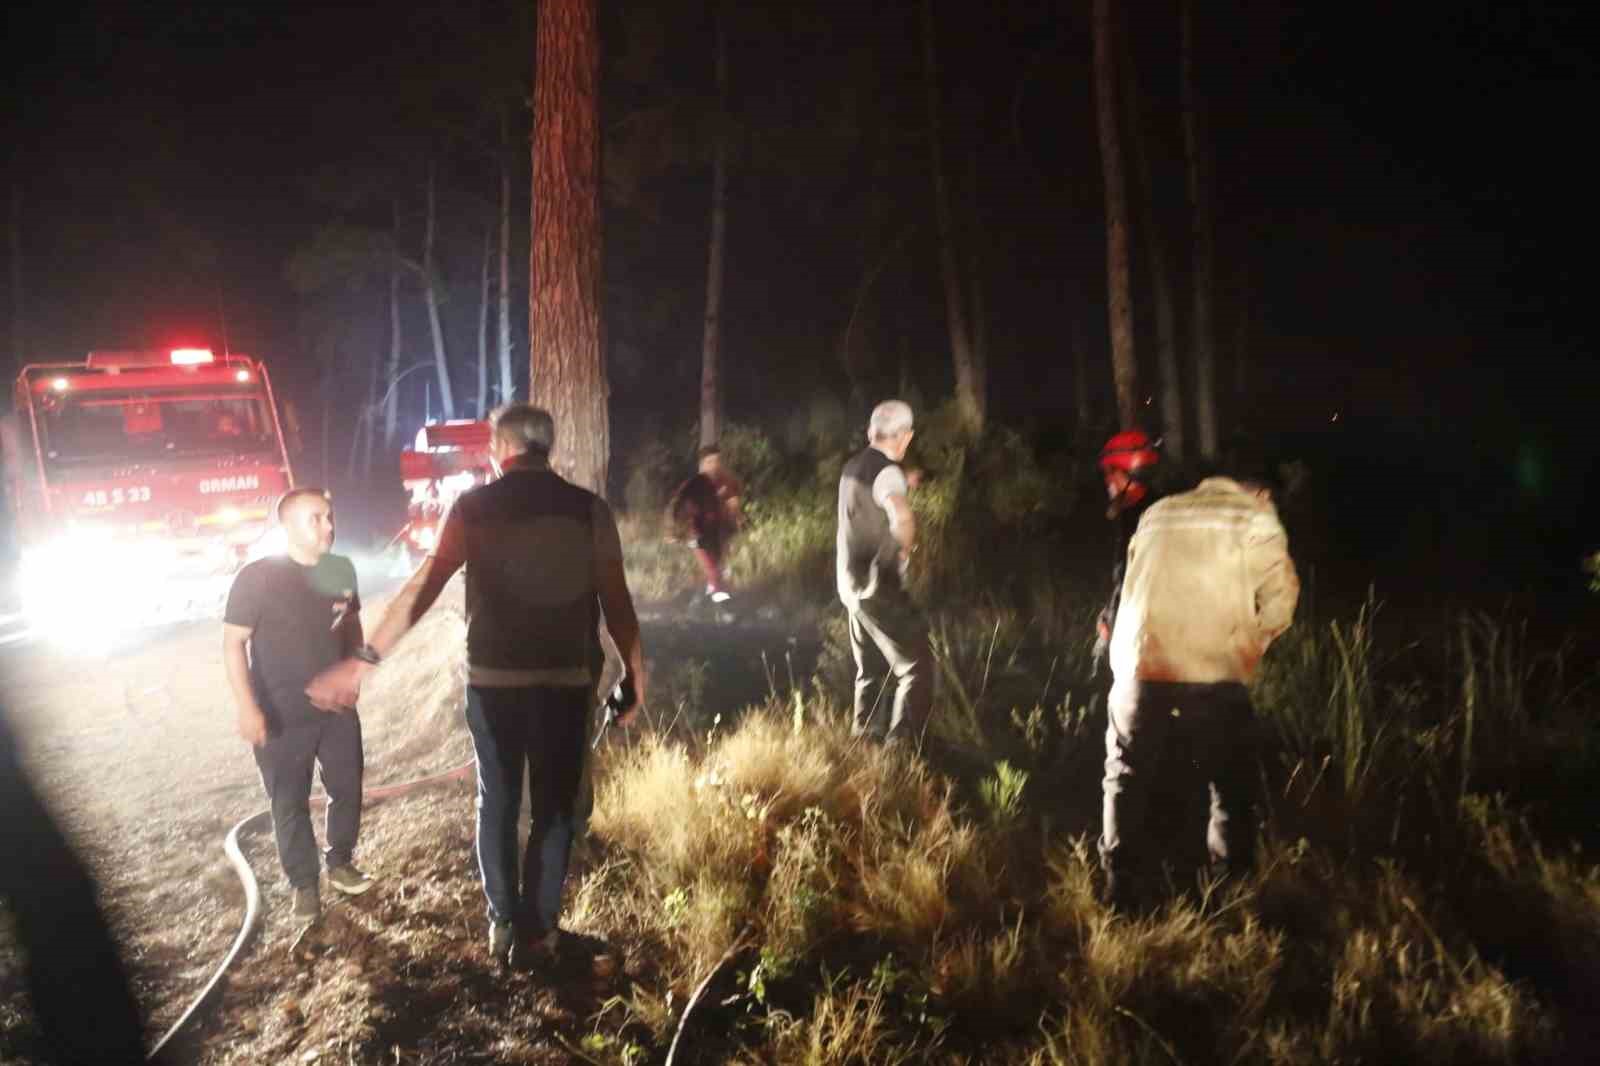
{"x":138,"y":483}
{"x":447,"y":459}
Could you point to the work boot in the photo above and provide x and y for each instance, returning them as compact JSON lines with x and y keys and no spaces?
{"x":500,"y":941}
{"x":307,"y":903}
{"x":539,"y":952}
{"x":349,"y":880}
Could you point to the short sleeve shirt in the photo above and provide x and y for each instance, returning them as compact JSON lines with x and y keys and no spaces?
{"x":891,"y":481}
{"x":297,"y":617}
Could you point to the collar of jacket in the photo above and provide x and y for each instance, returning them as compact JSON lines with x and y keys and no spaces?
{"x":1222,"y":484}
{"x":529,"y":461}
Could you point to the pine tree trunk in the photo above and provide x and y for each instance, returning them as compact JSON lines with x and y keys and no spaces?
{"x":710,"y":351}
{"x":391,"y":404}
{"x":1205,"y":359}
{"x":980,"y":301}
{"x":19,"y":329}
{"x":1080,"y":376}
{"x":1172,"y":421}
{"x":567,"y":369}
{"x":507,"y":387}
{"x":971,"y":390}
{"x":430,"y":295}
{"x":483,"y":324}
{"x":1124,"y":363}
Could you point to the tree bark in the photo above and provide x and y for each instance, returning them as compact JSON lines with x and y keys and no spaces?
{"x":391,"y":404}
{"x":483,"y":324}
{"x":710,"y":350}
{"x":971,"y":388}
{"x":19,"y":307}
{"x":1080,"y":376}
{"x":507,"y":387}
{"x":1124,"y":363}
{"x":1172,"y":420}
{"x":1205,"y":359}
{"x":567,"y":369}
{"x":430,"y":295}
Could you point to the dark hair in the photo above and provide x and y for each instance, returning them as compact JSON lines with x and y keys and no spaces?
{"x":708,"y":449}
{"x":530,"y":428}
{"x":298,"y":494}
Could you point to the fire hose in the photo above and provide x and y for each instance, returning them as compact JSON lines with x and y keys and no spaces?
{"x":252,"y":891}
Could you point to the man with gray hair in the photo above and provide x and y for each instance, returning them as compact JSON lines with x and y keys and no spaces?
{"x":877,"y":536}
{"x":543,"y":564}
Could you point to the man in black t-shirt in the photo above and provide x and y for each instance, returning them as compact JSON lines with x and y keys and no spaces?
{"x":288,"y":618}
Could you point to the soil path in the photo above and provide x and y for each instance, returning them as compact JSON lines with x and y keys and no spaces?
{"x":136,"y":753}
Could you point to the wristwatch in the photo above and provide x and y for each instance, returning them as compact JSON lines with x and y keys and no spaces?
{"x":368,"y":654}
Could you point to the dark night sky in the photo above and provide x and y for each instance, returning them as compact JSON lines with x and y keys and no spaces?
{"x":1400,"y":193}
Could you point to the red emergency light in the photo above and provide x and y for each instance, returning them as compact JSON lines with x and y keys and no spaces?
{"x":191,"y":356}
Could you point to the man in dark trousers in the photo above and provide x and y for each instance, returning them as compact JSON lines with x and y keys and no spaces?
{"x":705,"y":511}
{"x":543,"y":563}
{"x":288,"y":618}
{"x":877,"y":536}
{"x":1209,"y":586}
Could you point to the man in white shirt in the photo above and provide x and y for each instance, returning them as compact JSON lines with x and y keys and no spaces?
{"x":877,"y":535}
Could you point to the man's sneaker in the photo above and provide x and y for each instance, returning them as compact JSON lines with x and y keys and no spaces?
{"x":500,"y":940}
{"x":535,"y":953}
{"x":720,"y":596}
{"x":307,"y":903}
{"x":348,"y":879}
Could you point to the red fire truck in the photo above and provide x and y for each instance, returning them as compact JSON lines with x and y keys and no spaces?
{"x":447,"y":459}
{"x":138,"y":484}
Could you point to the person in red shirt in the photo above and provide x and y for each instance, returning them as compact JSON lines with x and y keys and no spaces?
{"x":706,"y":511}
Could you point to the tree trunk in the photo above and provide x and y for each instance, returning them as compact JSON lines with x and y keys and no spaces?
{"x":980,"y":302}
{"x":430,"y":295}
{"x":391,"y":403}
{"x":19,"y":330}
{"x":483,"y":324}
{"x":971,"y":389}
{"x":507,"y":387}
{"x":567,"y":371}
{"x":1080,"y":376}
{"x":361,"y":437}
{"x":1124,"y":364}
{"x":1160,"y":266}
{"x":710,"y":369}
{"x":1205,"y":359}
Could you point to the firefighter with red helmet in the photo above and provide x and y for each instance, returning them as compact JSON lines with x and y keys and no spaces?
{"x":1127,"y":462}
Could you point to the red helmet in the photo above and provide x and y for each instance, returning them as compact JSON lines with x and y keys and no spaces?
{"x":1132,"y":452}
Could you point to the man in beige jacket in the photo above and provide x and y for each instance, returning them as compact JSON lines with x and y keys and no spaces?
{"x":1209,"y":586}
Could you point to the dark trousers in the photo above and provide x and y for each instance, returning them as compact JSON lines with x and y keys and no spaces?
{"x":1167,"y":739}
{"x":333,"y":743}
{"x":709,"y":548}
{"x":888,"y":636}
{"x":540,"y":729}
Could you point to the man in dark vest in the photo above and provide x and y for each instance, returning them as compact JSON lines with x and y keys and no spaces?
{"x":543,"y":564}
{"x":877,"y":536}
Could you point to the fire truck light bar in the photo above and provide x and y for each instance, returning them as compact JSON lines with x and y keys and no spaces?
{"x":191,"y":356}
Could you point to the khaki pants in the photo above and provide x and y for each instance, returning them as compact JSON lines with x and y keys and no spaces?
{"x":888,"y":637}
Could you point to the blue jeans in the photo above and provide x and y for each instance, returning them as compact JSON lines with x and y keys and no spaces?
{"x":541,"y":729}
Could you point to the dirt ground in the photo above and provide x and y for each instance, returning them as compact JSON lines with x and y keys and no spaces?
{"x":135,"y":751}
